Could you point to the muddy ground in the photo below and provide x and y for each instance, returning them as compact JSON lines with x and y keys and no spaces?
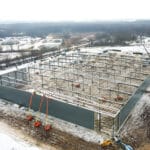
{"x":54,"y":137}
{"x":137,"y":129}
{"x":64,"y":141}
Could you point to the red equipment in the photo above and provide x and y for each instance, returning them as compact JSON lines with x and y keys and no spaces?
{"x":47,"y":127}
{"x":37,"y":123}
{"x":30,"y":117}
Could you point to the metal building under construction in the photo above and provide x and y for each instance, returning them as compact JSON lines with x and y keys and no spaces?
{"x":96,"y":91}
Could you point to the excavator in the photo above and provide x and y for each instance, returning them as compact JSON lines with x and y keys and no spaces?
{"x":121,"y":144}
{"x":117,"y":141}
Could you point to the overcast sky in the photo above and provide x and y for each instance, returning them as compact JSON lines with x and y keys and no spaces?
{"x":73,"y":10}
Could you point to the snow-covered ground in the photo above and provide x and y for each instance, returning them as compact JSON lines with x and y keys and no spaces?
{"x":26,"y":42}
{"x":10,"y":140}
{"x":129,"y":50}
{"x":135,"y":121}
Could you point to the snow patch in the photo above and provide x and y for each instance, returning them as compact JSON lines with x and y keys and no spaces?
{"x":9,"y":143}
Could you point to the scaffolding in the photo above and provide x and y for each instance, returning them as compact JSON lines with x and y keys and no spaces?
{"x":99,"y":83}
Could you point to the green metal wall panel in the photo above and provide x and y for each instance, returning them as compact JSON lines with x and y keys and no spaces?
{"x":57,"y":109}
{"x":132,"y":102}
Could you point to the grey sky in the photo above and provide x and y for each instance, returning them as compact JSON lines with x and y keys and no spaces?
{"x":73,"y":10}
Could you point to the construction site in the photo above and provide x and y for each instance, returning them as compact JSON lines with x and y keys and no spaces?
{"x":95,"y":91}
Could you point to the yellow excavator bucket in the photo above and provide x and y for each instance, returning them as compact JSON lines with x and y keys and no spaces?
{"x":106,"y":143}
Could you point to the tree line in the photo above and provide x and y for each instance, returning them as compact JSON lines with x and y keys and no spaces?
{"x":112,"y":31}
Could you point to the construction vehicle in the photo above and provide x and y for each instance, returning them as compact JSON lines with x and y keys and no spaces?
{"x":106,"y":143}
{"x":47,"y":126}
{"x":30,"y":117}
{"x":37,"y":119}
{"x":37,"y":122}
{"x":117,"y":140}
{"x":121,"y":144}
